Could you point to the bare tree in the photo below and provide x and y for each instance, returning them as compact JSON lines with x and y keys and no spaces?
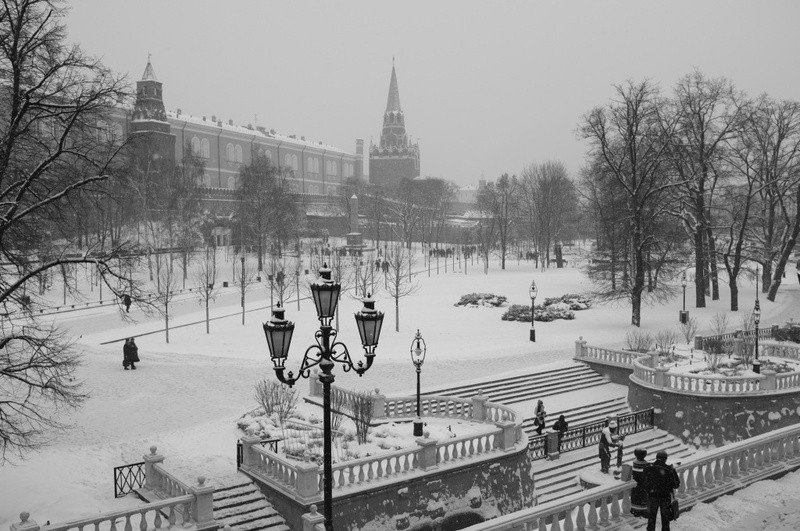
{"x":205,"y":278}
{"x":246,"y":279}
{"x":501,"y":201}
{"x":166,"y":285}
{"x":399,"y":281}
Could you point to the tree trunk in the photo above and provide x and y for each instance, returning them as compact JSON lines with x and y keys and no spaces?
{"x":699,"y":271}
{"x":712,"y":262}
{"x":396,"y":314}
{"x":166,"y":319}
{"x":734,"y":288}
{"x":207,"y":320}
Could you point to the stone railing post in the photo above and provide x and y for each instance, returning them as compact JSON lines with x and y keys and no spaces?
{"x":738,"y":345}
{"x":314,"y":385}
{"x":698,"y":342}
{"x":312,"y":518}
{"x":307,"y":482}
{"x":627,"y":472}
{"x":552,"y":444}
{"x":426,"y":456}
{"x":654,"y":359}
{"x":507,"y":438}
{"x":203,"y":506}
{"x":248,"y":441}
{"x":661,"y":376}
{"x":378,"y":405}
{"x":24,"y":523}
{"x":479,"y":406}
{"x":580,"y":348}
{"x":770,"y":381}
{"x":151,"y":482}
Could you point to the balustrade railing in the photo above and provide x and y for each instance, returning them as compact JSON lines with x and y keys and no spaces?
{"x":368,"y":469}
{"x":716,"y":384}
{"x":779,"y":350}
{"x":157,"y":515}
{"x":431,"y":406}
{"x":168,"y":485}
{"x":274,"y":467}
{"x":465,"y":447}
{"x":608,"y":355}
{"x":270,"y":442}
{"x":128,"y":478}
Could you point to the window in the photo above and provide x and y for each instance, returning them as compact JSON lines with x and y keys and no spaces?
{"x":231,"y":182}
{"x":295,"y":166}
{"x":206,"y":148}
{"x":195,"y":143}
{"x":238,"y":151}
{"x":334,"y":168}
{"x":316,"y":165}
{"x":229,"y":153}
{"x":310,"y":164}
{"x":287,"y":160}
{"x":268,"y":153}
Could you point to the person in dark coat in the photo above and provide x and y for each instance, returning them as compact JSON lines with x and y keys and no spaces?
{"x":660,"y":479}
{"x":608,"y":439}
{"x":561,"y":427}
{"x":539,"y":415}
{"x":638,"y":493}
{"x":130,"y":354}
{"x":126,"y":300}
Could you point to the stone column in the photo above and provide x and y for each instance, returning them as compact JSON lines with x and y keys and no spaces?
{"x":312,"y":518}
{"x":661,"y":376}
{"x":507,"y":438}
{"x":203,"y":506}
{"x":307,"y":482}
{"x":248,"y":441}
{"x":654,"y":359}
{"x":770,"y":382}
{"x":479,"y":406}
{"x":426,"y":456}
{"x":378,"y":405}
{"x":152,"y":479}
{"x":552,"y":445}
{"x":580,"y":350}
{"x":24,"y":524}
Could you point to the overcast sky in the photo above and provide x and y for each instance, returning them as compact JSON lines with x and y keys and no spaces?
{"x":486,"y":86}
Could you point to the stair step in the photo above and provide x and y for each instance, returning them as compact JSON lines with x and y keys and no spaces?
{"x":234,"y":495}
{"x":247,"y":508}
{"x":257,"y":525}
{"x":559,"y":373}
{"x":500,"y":385}
{"x":508,"y":395}
{"x":243,"y":507}
{"x":267,"y":514}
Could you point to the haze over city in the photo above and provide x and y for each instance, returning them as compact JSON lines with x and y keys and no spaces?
{"x":505,"y":82}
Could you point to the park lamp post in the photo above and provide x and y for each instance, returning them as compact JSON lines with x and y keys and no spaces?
{"x":418,"y":350}
{"x":756,"y":320}
{"x":532,"y":292}
{"x":683,"y":315}
{"x":324,"y":354}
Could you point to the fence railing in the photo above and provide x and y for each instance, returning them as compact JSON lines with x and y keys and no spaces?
{"x":271,"y":442}
{"x":156,"y":515}
{"x":702,"y":342}
{"x":127,"y":478}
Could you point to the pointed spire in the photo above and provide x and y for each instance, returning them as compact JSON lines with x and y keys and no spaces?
{"x":393,"y":103}
{"x":149,"y":74}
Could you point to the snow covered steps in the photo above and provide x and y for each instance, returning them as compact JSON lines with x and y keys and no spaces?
{"x":559,"y":478}
{"x":514,"y":389}
{"x":242,"y":506}
{"x":580,"y":414}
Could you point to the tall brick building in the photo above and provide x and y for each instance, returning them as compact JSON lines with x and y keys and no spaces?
{"x":394,"y":158}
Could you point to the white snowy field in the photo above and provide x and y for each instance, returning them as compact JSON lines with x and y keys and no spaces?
{"x":186,"y":396}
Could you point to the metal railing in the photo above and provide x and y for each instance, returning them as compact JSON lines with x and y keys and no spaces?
{"x":127,"y":478}
{"x":272,"y":443}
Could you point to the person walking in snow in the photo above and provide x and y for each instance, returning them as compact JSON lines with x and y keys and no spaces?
{"x":126,"y":300}
{"x":130,"y":354}
{"x":539,"y":415}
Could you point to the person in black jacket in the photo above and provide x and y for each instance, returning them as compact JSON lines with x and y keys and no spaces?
{"x":130,"y":353}
{"x":660,"y":479}
{"x":560,"y":426}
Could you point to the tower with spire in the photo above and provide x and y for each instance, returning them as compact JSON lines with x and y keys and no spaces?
{"x":149,"y":126}
{"x":394,"y":158}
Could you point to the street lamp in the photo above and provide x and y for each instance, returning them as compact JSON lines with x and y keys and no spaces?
{"x":418,"y":350}
{"x":683,"y":315}
{"x":532,"y":292}
{"x":325,"y":353}
{"x":756,"y":320}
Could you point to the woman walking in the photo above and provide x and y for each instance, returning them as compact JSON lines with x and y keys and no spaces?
{"x":538,"y":421}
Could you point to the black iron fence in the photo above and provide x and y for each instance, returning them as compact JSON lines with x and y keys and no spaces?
{"x":272,"y":443}
{"x":127,"y":478}
{"x":589,"y":434}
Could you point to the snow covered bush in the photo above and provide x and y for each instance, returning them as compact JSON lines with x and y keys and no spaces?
{"x":638,"y":340}
{"x":573,"y":301}
{"x":520,"y":312}
{"x":474,"y":300}
{"x":517,"y":312}
{"x":276,"y":399}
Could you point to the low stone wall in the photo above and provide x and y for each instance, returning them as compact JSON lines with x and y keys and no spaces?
{"x":709,"y":419}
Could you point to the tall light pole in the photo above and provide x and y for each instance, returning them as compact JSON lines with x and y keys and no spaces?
{"x":756,"y":320}
{"x":683,"y":315}
{"x":242,"y":279}
{"x":269,"y":279}
{"x":532,"y":292}
{"x":418,"y":350}
{"x":324,"y":354}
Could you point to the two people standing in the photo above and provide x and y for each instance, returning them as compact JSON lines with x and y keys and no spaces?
{"x":660,"y":480}
{"x":130,"y":354}
{"x":609,"y":438}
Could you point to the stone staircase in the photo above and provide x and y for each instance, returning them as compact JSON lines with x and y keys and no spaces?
{"x":581,"y":414}
{"x":559,"y":477}
{"x":241,"y":505}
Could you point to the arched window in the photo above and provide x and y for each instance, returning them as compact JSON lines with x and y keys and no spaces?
{"x":334,"y":167}
{"x":229,"y":153}
{"x":206,"y":148}
{"x":287,"y":160}
{"x":268,"y":153}
{"x":295,"y":166}
{"x":238,"y":151}
{"x":316,"y":165}
{"x":231,"y":182}
{"x":196,"y":146}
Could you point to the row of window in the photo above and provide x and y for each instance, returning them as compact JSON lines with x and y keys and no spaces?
{"x":295,"y":186}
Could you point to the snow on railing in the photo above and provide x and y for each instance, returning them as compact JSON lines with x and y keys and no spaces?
{"x":779,"y":350}
{"x":167,"y":484}
{"x":366,"y":469}
{"x":622,"y":358}
{"x":148,"y":516}
{"x":713,"y":383}
{"x":272,"y":466}
{"x":464,"y":447}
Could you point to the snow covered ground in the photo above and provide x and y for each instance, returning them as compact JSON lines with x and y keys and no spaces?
{"x":186,"y":396}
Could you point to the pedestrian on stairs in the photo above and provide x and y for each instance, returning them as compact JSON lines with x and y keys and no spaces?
{"x":608,"y":439}
{"x":538,"y":420}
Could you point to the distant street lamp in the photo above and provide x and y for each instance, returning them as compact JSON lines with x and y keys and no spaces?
{"x":418,"y":350}
{"x":756,"y":320}
{"x":324,"y":354}
{"x":532,"y":292}
{"x":683,"y":315}
{"x":269,"y":279}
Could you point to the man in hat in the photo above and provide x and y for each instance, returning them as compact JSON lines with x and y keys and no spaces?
{"x":660,"y":479}
{"x":608,"y":440}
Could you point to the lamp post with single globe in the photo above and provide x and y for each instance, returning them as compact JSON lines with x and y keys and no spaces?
{"x":532,"y":292}
{"x":418,"y":350}
{"x":756,"y":320}
{"x":324,"y":354}
{"x":683,"y":315}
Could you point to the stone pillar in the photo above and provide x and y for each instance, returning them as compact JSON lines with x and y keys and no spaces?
{"x":661,"y":376}
{"x":770,"y":382}
{"x":738,"y":345}
{"x":312,"y":518}
{"x":314,"y":385}
{"x":247,"y":449}
{"x":203,"y":506}
{"x":507,"y":438}
{"x":152,"y":479}
{"x":479,"y":406}
{"x":698,"y":342}
{"x":654,"y":359}
{"x":580,"y":348}
{"x":24,"y":524}
{"x":378,"y":405}
{"x":627,"y":472}
{"x":426,"y":456}
{"x":552,"y":445}
{"x":307,"y":482}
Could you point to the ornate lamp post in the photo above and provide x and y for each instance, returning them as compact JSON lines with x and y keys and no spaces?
{"x":532,"y":292}
{"x":418,"y":350}
{"x":325,"y":353}
{"x":683,"y":315}
{"x":756,"y":320}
